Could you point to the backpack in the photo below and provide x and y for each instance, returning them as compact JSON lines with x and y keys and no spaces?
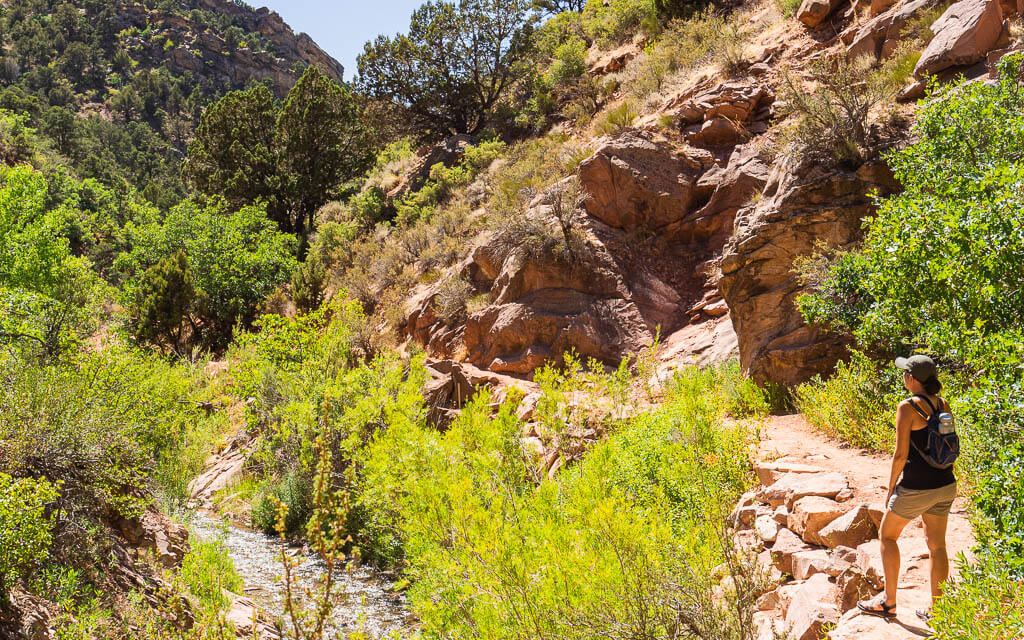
{"x":943,"y":443}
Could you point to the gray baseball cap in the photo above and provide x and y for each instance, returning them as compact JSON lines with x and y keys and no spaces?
{"x":921,"y":367}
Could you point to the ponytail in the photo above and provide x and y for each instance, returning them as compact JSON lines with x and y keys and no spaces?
{"x":932,"y":386}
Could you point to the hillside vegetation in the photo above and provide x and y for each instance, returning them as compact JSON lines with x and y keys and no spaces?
{"x":438,"y":311}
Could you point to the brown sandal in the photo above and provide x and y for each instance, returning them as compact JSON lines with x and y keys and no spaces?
{"x":877,"y":607}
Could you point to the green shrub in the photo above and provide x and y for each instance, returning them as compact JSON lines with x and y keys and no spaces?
{"x":208,"y":573}
{"x":25,"y":526}
{"x":683,"y":45}
{"x":627,"y":536}
{"x":295,"y":492}
{"x":985,"y":603}
{"x":236,"y":260}
{"x":569,"y":62}
{"x":309,"y":283}
{"x":788,"y":8}
{"x":49,"y":298}
{"x":609,"y":22}
{"x":857,"y":404}
{"x":617,"y":119}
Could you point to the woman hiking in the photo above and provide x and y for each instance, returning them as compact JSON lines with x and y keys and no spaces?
{"x":921,"y":483}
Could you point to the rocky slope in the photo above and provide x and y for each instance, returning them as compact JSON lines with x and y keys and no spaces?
{"x":693,"y":229}
{"x":196,"y":48}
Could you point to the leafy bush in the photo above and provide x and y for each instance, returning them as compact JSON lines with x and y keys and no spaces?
{"x":236,"y":261}
{"x":569,"y":62}
{"x":295,"y":493}
{"x":25,"y":526}
{"x":208,"y":573}
{"x":48,"y":297}
{"x":610,"y":22}
{"x":309,"y":283}
{"x":985,"y":603}
{"x":788,"y":8}
{"x":856,"y":404}
{"x":625,"y":537}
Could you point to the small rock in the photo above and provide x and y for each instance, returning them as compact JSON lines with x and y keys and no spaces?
{"x":853,"y":586}
{"x":836,"y":565}
{"x":769,"y":601}
{"x":813,"y":12}
{"x":781,"y":515}
{"x":877,"y":512}
{"x":747,"y":541}
{"x":809,"y":563}
{"x":743,"y":517}
{"x":766,"y":527}
{"x":869,"y":561}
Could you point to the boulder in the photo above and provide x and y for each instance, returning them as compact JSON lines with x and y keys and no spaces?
{"x":718,"y":131}
{"x":220,"y":470}
{"x":636,"y":181}
{"x":743,"y":516}
{"x":812,"y":514}
{"x":793,"y":486}
{"x":840,"y":562}
{"x":781,"y":515}
{"x":880,"y":36}
{"x":813,"y":12}
{"x":809,"y":563}
{"x":787,"y":544}
{"x":813,"y":609}
{"x":769,"y":601}
{"x":804,"y":208}
{"x":967,"y":31}
{"x":851,"y":529}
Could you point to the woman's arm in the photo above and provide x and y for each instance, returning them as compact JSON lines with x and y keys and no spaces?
{"x":904,"y":416}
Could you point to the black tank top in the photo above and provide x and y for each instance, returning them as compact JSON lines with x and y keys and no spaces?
{"x":918,"y":474}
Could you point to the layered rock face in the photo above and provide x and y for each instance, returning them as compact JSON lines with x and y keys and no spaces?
{"x":802,"y":210}
{"x":200,"y":51}
{"x":655,"y":215}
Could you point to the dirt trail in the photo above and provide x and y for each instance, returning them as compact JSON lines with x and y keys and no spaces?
{"x":791,"y":438}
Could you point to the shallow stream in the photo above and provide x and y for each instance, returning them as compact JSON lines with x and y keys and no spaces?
{"x":366,"y":603}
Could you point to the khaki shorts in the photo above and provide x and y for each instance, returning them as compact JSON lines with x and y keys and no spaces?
{"x":910,"y":503}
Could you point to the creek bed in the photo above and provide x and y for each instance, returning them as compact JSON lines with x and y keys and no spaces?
{"x":365,"y":601}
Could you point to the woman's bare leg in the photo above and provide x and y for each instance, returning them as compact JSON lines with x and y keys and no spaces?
{"x":889,"y":533}
{"x":935,"y":532}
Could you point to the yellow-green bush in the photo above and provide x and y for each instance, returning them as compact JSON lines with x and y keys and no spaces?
{"x":627,"y":537}
{"x":857,"y":404}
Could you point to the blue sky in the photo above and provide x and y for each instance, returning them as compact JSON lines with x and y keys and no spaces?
{"x":341,"y":27}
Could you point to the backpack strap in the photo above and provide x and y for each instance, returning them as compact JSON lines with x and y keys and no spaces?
{"x":924,"y":415}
